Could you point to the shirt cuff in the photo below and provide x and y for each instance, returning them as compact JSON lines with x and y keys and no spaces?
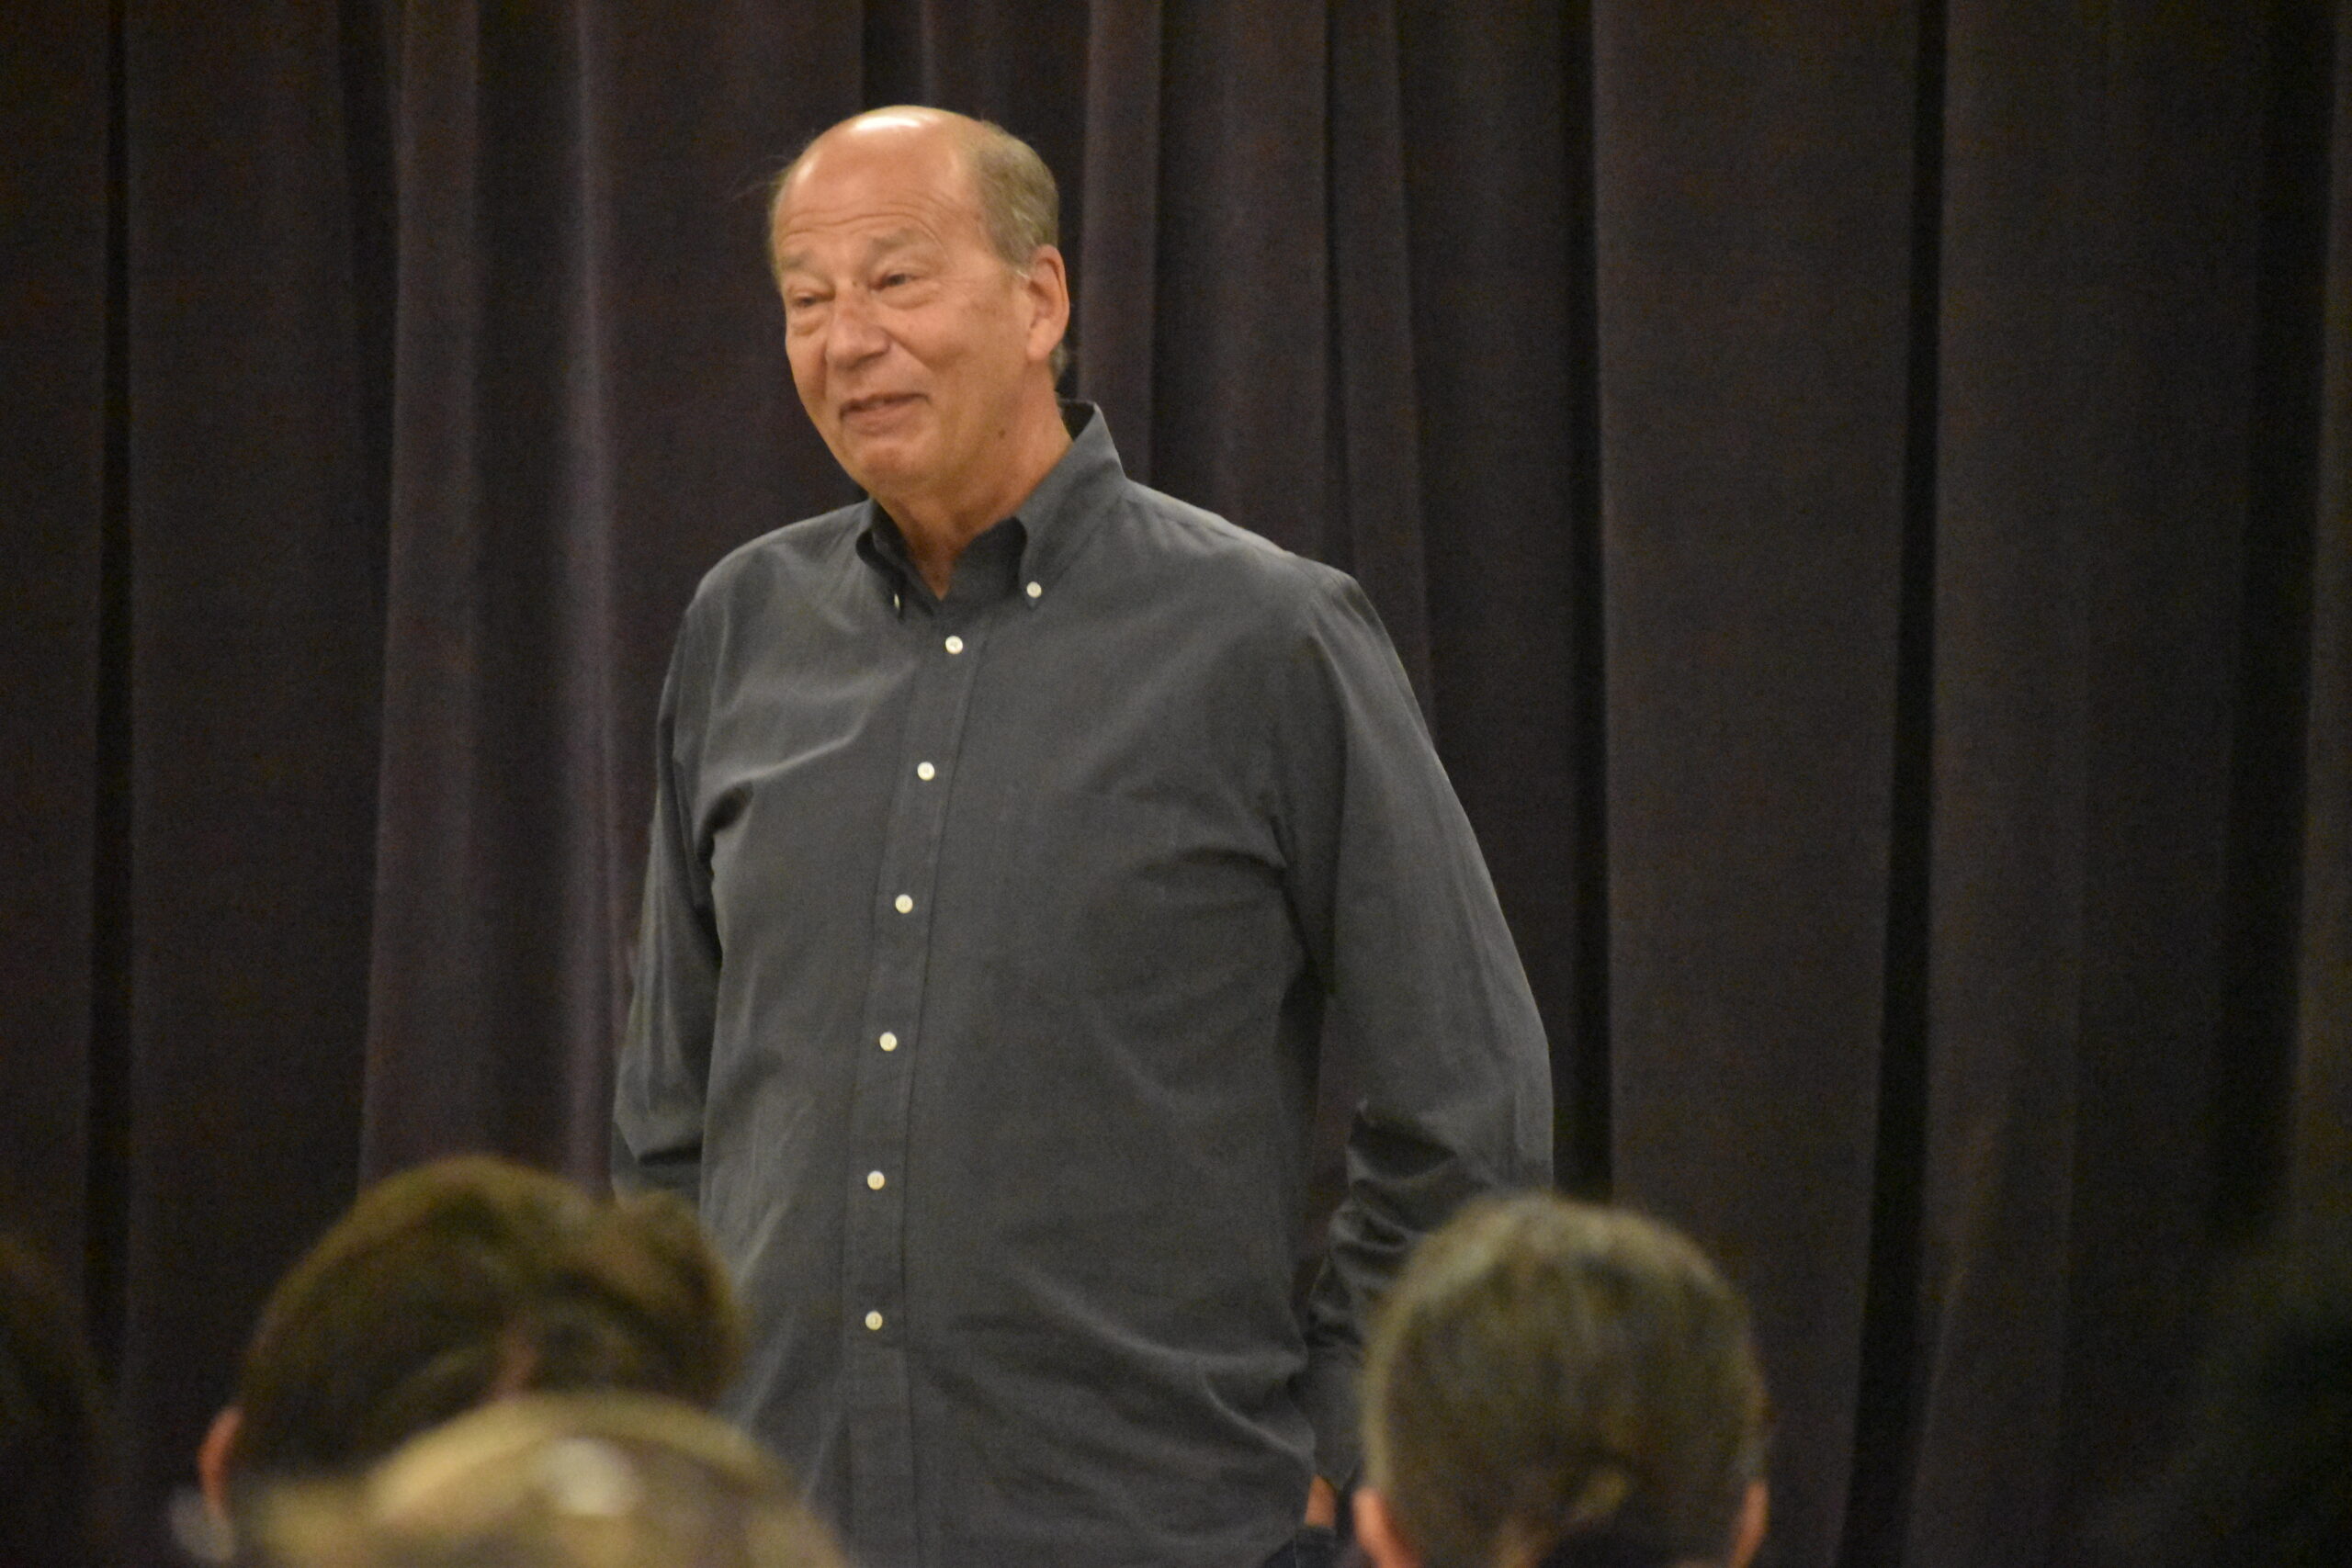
{"x":1328,"y":1394}
{"x":681,"y":1178}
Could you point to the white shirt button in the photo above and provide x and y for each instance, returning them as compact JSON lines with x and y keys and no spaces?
{"x":888,"y":1041}
{"x":875,"y":1180}
{"x":903,"y":904}
{"x":874,"y":1320}
{"x":1036,"y":590}
{"x":955,"y":645}
{"x":925,"y":772}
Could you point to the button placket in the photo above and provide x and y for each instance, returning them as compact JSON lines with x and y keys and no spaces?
{"x":876,"y":1310}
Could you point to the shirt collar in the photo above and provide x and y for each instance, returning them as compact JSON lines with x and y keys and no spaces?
{"x":1064,"y":507}
{"x":1053,"y":521}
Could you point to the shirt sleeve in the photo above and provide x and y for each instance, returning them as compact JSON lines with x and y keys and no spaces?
{"x":664,"y":1066}
{"x":1424,"y":989}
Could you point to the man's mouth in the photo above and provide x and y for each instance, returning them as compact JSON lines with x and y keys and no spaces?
{"x":876,"y":403}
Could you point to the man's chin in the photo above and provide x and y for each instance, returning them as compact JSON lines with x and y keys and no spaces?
{"x":881,"y":468}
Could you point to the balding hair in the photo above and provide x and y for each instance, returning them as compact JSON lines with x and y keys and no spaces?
{"x":1020,"y":205}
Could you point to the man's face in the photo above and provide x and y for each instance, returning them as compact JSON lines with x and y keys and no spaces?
{"x":909,"y":337}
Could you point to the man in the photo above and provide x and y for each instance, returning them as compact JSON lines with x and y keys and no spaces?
{"x":1561,"y":1385}
{"x":558,"y":1480}
{"x":455,"y":1283}
{"x":1016,"y":831}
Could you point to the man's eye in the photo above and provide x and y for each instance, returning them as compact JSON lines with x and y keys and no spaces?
{"x":892,"y":279}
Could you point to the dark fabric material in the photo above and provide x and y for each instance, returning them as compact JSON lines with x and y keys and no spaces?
{"x":1861,"y":493}
{"x":989,"y":941}
{"x":1314,"y":1547}
{"x":202,"y":570}
{"x":63,"y":795}
{"x":1754,"y":360}
{"x":1600,"y":1549}
{"x":2320,"y":1137}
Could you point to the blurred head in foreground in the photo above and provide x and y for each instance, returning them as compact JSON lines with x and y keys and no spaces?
{"x":2263,"y":1473}
{"x":455,"y":1283}
{"x":552,"y":1481}
{"x":54,"y":1458}
{"x":1555,"y":1384}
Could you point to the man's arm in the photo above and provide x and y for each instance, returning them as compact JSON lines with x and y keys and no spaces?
{"x":1423,"y":984}
{"x":665,"y":1052}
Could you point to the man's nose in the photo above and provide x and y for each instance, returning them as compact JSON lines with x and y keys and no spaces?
{"x":854,"y":334}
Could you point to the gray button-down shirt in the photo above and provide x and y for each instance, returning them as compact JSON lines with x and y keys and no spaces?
{"x":986,"y":946}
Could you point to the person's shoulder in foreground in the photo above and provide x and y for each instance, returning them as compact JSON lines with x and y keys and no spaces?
{"x":455,"y":1283}
{"x":1553,"y":1384}
{"x":554,"y":1481}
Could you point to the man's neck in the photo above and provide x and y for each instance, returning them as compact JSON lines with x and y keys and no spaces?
{"x":937,"y":527}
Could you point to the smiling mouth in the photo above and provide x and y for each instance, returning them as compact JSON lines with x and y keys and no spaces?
{"x":875,"y":404}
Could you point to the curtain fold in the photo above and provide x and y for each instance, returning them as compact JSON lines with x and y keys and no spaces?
{"x":57,"y":386}
{"x":2320,"y":1129}
{"x":1375,"y":411}
{"x":2006,"y":862}
{"x":1861,"y":493}
{"x":2104,"y":256}
{"x":1112,"y":319}
{"x":1754,"y":275}
{"x":251,"y":588}
{"x":1499,"y":212}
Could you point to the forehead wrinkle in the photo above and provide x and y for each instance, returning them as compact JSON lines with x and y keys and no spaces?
{"x":876,"y":248}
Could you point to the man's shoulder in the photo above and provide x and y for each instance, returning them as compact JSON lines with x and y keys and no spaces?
{"x":1222,"y":555}
{"x":805,"y":551}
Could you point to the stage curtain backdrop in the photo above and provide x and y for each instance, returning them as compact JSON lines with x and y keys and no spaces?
{"x":1861,"y":489}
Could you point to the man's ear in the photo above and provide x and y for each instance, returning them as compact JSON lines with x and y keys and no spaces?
{"x":1047,"y":283}
{"x":1377,"y":1532}
{"x":215,"y":1455}
{"x":1754,"y":1510}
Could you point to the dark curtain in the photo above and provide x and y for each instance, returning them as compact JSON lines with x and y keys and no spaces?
{"x":1863,"y":490}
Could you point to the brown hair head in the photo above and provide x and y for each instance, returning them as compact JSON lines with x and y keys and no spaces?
{"x":468,"y":1278}
{"x":1546,"y":1369}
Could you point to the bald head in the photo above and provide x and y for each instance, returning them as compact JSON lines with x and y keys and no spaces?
{"x":1009,"y":185}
